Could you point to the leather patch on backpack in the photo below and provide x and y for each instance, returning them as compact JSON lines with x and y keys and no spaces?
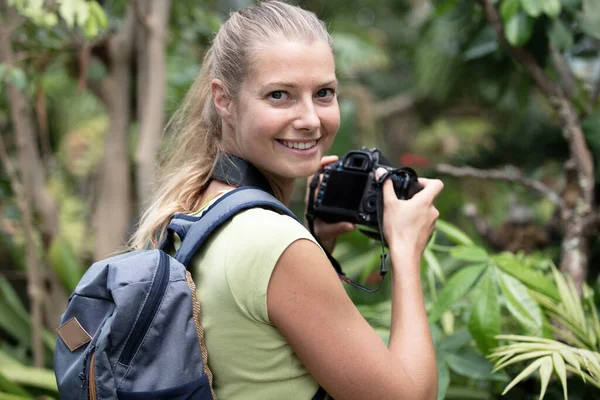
{"x":73,"y":334}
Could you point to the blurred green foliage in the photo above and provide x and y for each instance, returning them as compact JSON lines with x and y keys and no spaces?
{"x":469,"y":104}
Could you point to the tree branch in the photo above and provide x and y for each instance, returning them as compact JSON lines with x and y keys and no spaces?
{"x":566,"y":75}
{"x":525,"y":58}
{"x":509,"y":174}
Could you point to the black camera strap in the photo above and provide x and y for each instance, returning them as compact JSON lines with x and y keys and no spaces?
{"x":236,"y":171}
{"x":310,"y":217}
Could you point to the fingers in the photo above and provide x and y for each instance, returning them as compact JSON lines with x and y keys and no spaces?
{"x":388,"y":186}
{"x":328,"y":160}
{"x":431,"y":188}
{"x":327,"y":231}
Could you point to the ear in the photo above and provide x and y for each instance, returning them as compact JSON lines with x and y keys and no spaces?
{"x":222,"y":100}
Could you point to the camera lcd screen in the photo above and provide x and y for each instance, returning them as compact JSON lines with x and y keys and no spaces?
{"x":345,"y":189}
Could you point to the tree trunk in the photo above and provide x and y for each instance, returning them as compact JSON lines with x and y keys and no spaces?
{"x":31,"y":194}
{"x":152,"y":73}
{"x":34,"y":176}
{"x":113,"y":210}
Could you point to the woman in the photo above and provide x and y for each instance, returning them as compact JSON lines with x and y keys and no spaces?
{"x":277,"y":320}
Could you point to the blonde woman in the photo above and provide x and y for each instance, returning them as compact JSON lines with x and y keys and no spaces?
{"x":278,"y":323}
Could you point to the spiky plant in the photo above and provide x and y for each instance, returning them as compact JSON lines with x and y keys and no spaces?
{"x":576,"y":326}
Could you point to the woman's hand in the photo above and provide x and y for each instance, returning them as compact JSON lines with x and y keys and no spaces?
{"x":325,"y":232}
{"x":408,"y":224}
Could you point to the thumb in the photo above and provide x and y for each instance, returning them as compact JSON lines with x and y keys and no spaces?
{"x":388,"y":187}
{"x":380,"y":172}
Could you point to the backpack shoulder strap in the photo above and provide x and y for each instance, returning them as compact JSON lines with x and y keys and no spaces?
{"x":196,"y":230}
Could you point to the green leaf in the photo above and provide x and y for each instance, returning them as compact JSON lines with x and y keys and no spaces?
{"x":589,"y":19}
{"x":484,"y":323}
{"x":458,"y":285}
{"x":13,"y":317}
{"x":28,"y":376}
{"x":524,"y":374}
{"x":518,"y":29}
{"x":545,"y":373}
{"x":509,"y":8}
{"x":469,"y":253}
{"x":572,"y":5}
{"x":551,"y":8}
{"x":443,"y":380}
{"x":64,"y":261}
{"x":67,"y":10}
{"x":520,"y":304}
{"x":561,"y":371}
{"x":531,"y":278}
{"x":456,"y":341}
{"x":434,"y":264}
{"x":12,"y":388}
{"x":470,"y":365}
{"x":486,"y":42}
{"x":533,"y":7}
{"x":453,"y":233}
{"x":560,"y":35}
{"x":97,"y":13}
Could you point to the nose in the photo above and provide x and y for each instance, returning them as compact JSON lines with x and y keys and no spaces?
{"x":307,"y":118}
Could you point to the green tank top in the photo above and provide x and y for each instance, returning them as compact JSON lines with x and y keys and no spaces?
{"x":248,"y":356}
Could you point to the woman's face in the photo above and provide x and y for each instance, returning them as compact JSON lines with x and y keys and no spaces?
{"x":286,"y":114}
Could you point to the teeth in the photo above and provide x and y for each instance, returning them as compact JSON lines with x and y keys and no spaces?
{"x":299,"y":145}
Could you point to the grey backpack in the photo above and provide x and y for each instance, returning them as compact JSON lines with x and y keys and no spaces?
{"x":132,"y":328}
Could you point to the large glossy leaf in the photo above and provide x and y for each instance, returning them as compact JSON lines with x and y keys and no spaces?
{"x":484,"y":323}
{"x":531,"y":278}
{"x":469,"y":253}
{"x":518,"y":29}
{"x":508,"y":8}
{"x":458,"y":285}
{"x":456,"y":341}
{"x":521,"y":305}
{"x":533,"y":7}
{"x":551,"y":8}
{"x":453,"y":233}
{"x":470,"y":364}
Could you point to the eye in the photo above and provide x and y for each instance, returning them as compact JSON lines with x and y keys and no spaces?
{"x":278,"y":95}
{"x":325,"y":93}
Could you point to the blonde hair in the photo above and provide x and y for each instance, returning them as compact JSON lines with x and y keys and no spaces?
{"x":195,"y":133}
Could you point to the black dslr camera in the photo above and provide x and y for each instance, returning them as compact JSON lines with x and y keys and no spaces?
{"x":349,"y":189}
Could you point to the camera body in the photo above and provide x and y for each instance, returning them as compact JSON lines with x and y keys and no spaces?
{"x":348,"y":190}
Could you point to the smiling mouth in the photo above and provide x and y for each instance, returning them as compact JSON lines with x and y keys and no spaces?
{"x":299,"y":145}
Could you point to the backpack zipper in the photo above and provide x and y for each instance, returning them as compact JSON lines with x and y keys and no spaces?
{"x":92,"y":379}
{"x":157,"y":292}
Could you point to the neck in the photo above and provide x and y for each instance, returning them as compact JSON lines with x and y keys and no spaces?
{"x":282,"y":188}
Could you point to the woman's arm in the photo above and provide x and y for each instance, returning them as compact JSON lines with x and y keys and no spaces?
{"x":308,"y":304}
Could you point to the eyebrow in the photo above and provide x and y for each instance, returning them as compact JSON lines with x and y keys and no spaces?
{"x":293,"y":85}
